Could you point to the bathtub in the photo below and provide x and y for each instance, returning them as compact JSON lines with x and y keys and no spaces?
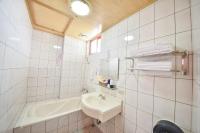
{"x":42,"y":111}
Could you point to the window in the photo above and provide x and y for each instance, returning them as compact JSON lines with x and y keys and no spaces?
{"x":95,"y":45}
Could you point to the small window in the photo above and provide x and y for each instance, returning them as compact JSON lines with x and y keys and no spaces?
{"x":95,"y":45}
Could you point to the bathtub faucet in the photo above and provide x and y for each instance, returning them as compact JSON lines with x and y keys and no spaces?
{"x":84,"y":91}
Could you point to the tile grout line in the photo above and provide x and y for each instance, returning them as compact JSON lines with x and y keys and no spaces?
{"x":154,"y":74}
{"x":137,"y":77}
{"x":191,"y":129}
{"x":175,"y":63}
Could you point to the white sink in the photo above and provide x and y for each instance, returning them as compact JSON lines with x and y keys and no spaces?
{"x":99,"y":108}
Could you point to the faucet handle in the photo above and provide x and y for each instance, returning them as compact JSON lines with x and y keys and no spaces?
{"x":84,"y":91}
{"x":102,"y":96}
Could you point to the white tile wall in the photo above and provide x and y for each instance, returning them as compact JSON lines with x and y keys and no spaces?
{"x":151,"y":96}
{"x":44,"y":66}
{"x":195,"y":9}
{"x":73,"y":67}
{"x":15,"y":43}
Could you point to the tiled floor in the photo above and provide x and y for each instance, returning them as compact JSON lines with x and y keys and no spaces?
{"x":90,"y":129}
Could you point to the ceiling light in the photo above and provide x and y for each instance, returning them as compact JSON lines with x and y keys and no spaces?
{"x":80,"y":7}
{"x":129,"y":38}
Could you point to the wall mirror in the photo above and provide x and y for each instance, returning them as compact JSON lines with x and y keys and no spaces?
{"x":109,"y":68}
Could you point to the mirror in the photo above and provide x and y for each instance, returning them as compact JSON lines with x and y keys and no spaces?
{"x":109,"y":68}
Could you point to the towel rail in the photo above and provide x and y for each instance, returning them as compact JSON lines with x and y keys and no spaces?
{"x":182,"y":53}
{"x":132,"y":69}
{"x":184,"y":61}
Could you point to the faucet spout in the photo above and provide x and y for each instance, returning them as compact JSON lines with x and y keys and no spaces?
{"x":102,"y":96}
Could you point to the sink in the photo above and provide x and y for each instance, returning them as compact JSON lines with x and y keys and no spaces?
{"x":101,"y":107}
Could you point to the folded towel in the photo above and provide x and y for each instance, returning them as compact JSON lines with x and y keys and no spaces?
{"x":154,"y":63}
{"x":155,"y":49}
{"x":157,"y":65}
{"x":154,"y":69}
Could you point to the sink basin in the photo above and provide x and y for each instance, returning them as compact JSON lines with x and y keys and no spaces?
{"x":99,"y":107}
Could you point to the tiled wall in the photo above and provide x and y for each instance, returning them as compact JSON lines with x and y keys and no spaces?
{"x":195,"y":10}
{"x":150,"y":96}
{"x":15,"y":43}
{"x":72,"y":75}
{"x":69,"y":123}
{"x":44,"y":66}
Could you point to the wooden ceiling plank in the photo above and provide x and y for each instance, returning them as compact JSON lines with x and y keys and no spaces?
{"x":105,"y":12}
{"x":30,"y":10}
{"x":67,"y":26}
{"x":51,"y":8}
{"x":46,"y":29}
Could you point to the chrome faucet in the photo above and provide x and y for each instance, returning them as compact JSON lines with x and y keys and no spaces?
{"x":84,"y":91}
{"x":102,"y":96}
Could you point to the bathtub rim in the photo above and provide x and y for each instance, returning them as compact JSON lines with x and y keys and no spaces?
{"x":20,"y":124}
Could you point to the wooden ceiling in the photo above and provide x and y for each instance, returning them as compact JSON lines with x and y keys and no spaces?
{"x":55,"y":16}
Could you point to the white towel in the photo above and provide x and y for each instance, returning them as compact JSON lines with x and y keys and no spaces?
{"x":157,"y":65}
{"x":155,"y":49}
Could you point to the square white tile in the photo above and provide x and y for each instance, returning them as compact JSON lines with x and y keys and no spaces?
{"x":183,"y":21}
{"x":165,"y":26}
{"x":164,"y":109}
{"x":181,"y":4}
{"x":131,"y":82}
{"x":145,"y":102}
{"x":195,"y":16}
{"x":144,"y":120}
{"x":147,"y":15}
{"x":131,"y":98}
{"x":165,"y":88}
{"x":183,"y":115}
{"x":130,"y":113}
{"x":163,"y":8}
{"x":133,"y":21}
{"x":38,"y":128}
{"x":147,"y":32}
{"x":145,"y":84}
{"x":184,"y":91}
{"x":184,"y":41}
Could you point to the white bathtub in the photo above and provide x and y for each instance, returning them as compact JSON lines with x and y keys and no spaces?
{"x":42,"y":111}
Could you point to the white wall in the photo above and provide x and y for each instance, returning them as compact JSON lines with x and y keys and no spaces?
{"x":15,"y":43}
{"x":150,"y":96}
{"x":195,"y":10}
{"x":72,"y":75}
{"x":44,"y":66}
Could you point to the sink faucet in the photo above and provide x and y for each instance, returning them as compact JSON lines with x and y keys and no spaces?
{"x":84,"y":91}
{"x":102,"y":96}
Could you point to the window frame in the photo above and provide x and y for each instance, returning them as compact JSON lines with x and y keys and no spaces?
{"x":97,"y":38}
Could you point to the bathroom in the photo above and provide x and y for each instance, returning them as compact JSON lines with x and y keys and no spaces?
{"x":99,"y":66}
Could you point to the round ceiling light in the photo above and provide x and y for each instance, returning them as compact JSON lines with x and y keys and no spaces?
{"x":80,"y":7}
